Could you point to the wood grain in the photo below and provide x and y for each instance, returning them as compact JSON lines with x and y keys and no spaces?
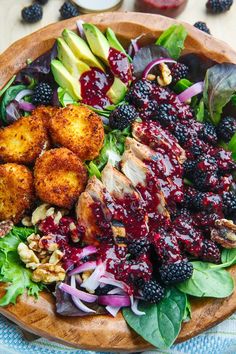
{"x":104,"y":332}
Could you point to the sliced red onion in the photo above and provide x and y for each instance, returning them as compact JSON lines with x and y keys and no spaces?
{"x":134,"y":307}
{"x":83,"y":268}
{"x":94,"y":280}
{"x":114,"y":300}
{"x":116,"y":291}
{"x":191,"y":91}
{"x":78,"y":293}
{"x":155,"y":62}
{"x":79,"y":25}
{"x":23,"y":93}
{"x":134,"y":47}
{"x":113,"y":310}
{"x":87,"y":251}
{"x":109,"y":279}
{"x":78,"y":303}
{"x":26,"y":106}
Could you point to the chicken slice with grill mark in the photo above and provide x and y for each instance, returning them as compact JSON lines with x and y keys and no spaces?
{"x":151,"y":134}
{"x":147,"y":185}
{"x":129,"y":205}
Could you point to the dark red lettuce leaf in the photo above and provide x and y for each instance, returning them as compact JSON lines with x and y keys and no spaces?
{"x":198,"y":65}
{"x":12,"y":112}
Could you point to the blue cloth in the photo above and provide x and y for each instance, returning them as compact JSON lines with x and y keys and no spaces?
{"x":218,"y":340}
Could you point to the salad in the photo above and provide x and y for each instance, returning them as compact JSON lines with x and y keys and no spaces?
{"x":117,"y":179}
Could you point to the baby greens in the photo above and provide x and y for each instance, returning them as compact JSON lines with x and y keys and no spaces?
{"x":208,"y":281}
{"x":9,"y":96}
{"x":161,"y":323}
{"x":173,"y":40}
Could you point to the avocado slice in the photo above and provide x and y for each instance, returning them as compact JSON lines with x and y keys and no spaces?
{"x":117,"y":91}
{"x":80,"y":49}
{"x":114,"y":43}
{"x":97,"y":41}
{"x":65,"y":79}
{"x":75,"y":66}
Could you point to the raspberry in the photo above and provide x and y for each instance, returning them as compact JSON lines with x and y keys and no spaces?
{"x":210,"y":252}
{"x":202,"y":26}
{"x":139,"y":93}
{"x":137,"y":247}
{"x":229,"y":202}
{"x":218,"y":6}
{"x":32,"y":14}
{"x":122,"y":116}
{"x":165,"y":115}
{"x":68,"y":10}
{"x":175,"y":272}
{"x":152,"y":291}
{"x":42,"y":94}
{"x":178,"y":71}
{"x":208,"y":134}
{"x":226,"y":128}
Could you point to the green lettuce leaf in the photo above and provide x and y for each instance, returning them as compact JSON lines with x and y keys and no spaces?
{"x":173,"y":40}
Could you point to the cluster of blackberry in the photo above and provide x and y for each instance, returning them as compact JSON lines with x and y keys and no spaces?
{"x":34,"y":12}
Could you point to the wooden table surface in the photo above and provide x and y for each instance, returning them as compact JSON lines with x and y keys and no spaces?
{"x":11,"y":28}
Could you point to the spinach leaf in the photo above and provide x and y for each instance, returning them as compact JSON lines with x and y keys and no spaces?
{"x":219,"y":86}
{"x":9,"y":96}
{"x":200,"y":111}
{"x":228,"y":257}
{"x":173,"y":40}
{"x":233,"y":100}
{"x":187,"y":312}
{"x":208,"y":281}
{"x":162,"y":322}
{"x":232,"y":143}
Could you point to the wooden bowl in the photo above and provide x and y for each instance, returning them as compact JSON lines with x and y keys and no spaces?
{"x":104,"y":332}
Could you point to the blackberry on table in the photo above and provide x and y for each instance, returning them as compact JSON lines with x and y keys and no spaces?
{"x":178,"y":71}
{"x":202,"y":26}
{"x":68,"y":10}
{"x":139,"y":93}
{"x":42,"y":94}
{"x":218,"y":6}
{"x":174,"y":273}
{"x":166,"y":115}
{"x":122,"y":116}
{"x":32,"y":13}
{"x":210,"y":252}
{"x":208,"y":134}
{"x":139,"y":246}
{"x":152,"y":291}
{"x":229,"y":202}
{"x":42,"y":2}
{"x":226,"y":128}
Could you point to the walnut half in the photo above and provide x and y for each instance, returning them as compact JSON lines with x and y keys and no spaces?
{"x":27,"y":256}
{"x":224,"y":233}
{"x":48,"y":273}
{"x":5,"y":227}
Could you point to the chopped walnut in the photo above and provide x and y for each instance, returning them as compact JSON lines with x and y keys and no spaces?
{"x":56,"y":257}
{"x":33,"y":242}
{"x":48,"y":243}
{"x":48,"y":273}
{"x":27,"y":256}
{"x":224,"y":233}
{"x":165,"y":78}
{"x":151,"y":77}
{"x":5,"y":227}
{"x":40,"y":213}
{"x":26,"y":221}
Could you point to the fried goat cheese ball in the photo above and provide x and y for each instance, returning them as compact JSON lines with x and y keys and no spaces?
{"x":44,"y":113}
{"x":78,"y":129}
{"x":23,"y":141}
{"x":16,"y":191}
{"x":60,"y":177}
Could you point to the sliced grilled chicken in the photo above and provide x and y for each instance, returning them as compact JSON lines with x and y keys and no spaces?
{"x":151,"y":134}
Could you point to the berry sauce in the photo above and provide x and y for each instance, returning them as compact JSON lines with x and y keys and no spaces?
{"x":119,"y":65}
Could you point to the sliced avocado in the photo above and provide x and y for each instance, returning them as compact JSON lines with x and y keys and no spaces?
{"x":114,"y":43}
{"x":80,"y":49}
{"x":65,"y":79}
{"x":97,"y":41}
{"x":117,"y":91}
{"x":75,"y":66}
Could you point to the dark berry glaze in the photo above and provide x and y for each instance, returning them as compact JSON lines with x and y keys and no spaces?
{"x":119,"y":65}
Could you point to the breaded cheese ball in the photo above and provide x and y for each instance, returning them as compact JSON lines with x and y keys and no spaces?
{"x":44,"y":113}
{"x":16,"y":191}
{"x":79,"y":129}
{"x":23,"y":141}
{"x":60,"y":177}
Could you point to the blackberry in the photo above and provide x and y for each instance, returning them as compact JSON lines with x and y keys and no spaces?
{"x":42,"y":94}
{"x":189,"y":166}
{"x":137,"y":247}
{"x":202,"y":26}
{"x":139,"y":93}
{"x":226,"y":128}
{"x":229,"y":202}
{"x":104,"y":290}
{"x":32,"y":13}
{"x":152,"y":291}
{"x":165,"y":115}
{"x":197,"y":201}
{"x":181,"y":212}
{"x":175,"y":272}
{"x":178,"y":71}
{"x":218,"y":6}
{"x":208,"y":134}
{"x":196,"y":149}
{"x":210,"y":252}
{"x":181,"y":134}
{"x":149,"y":111}
{"x":68,"y":10}
{"x":122,"y":116}
{"x":205,"y":181}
